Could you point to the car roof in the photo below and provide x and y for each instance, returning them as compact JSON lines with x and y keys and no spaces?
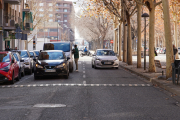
{"x":51,"y":51}
{"x":57,"y":42}
{"x":104,"y":49}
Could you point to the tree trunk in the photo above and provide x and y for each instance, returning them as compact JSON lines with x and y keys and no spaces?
{"x":168,"y":38}
{"x":129,"y":41}
{"x":139,"y":36}
{"x":125,"y":43}
{"x":176,"y":35}
{"x":115,"y":35}
{"x":120,"y":42}
{"x":151,"y":39}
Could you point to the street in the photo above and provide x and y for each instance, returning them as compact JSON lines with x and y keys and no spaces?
{"x":89,"y":94}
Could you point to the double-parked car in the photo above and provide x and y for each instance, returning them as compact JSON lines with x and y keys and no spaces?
{"x":9,"y":67}
{"x":52,"y":62}
{"x":105,"y":58}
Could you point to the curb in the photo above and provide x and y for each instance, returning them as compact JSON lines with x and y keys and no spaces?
{"x":169,"y":87}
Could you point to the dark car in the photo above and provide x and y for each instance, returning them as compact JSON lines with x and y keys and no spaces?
{"x":33,"y":55}
{"x":52,"y":62}
{"x":37,"y":53}
{"x":9,"y":68}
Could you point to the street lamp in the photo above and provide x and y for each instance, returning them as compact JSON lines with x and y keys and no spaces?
{"x":145,"y":15}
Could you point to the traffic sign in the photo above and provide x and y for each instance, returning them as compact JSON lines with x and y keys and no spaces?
{"x":111,"y":41}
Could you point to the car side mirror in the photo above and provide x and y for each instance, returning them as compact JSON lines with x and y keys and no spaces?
{"x":21,"y":60}
{"x":31,"y":56}
{"x":68,"y":58}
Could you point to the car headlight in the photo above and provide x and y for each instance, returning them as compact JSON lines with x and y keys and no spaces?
{"x":6,"y":69}
{"x":39,"y":66}
{"x":60,"y":66}
{"x":97,"y":59}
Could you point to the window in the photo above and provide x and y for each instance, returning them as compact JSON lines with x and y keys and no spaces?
{"x":65,"y":20}
{"x":50,"y":15}
{"x":58,"y":9}
{"x":50,"y":4}
{"x":50,"y":20}
{"x":58,"y":16}
{"x":65,"y":15}
{"x":41,"y":4}
{"x":41,"y":9}
{"x":40,"y":30}
{"x":53,"y":30}
{"x":65,"y":5}
{"x":65,"y":10}
{"x":41,"y":15}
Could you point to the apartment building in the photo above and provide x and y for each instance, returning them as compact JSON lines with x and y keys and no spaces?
{"x":59,"y":24}
{"x":13,"y":24}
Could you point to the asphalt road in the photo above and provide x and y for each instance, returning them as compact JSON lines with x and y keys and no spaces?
{"x":90,"y":94}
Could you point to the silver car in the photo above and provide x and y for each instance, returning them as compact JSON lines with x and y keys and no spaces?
{"x":105,"y":58}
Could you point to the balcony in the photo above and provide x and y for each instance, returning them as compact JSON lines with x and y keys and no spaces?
{"x":27,"y":23}
{"x":9,"y":24}
{"x":13,"y":2}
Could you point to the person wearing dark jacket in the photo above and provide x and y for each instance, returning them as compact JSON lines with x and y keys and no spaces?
{"x":174,"y":51}
{"x":76,"y":56}
{"x":7,"y":49}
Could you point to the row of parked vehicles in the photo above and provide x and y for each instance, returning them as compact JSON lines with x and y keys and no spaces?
{"x":16,"y":63}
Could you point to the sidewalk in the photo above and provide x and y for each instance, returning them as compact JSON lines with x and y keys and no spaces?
{"x":152,"y":77}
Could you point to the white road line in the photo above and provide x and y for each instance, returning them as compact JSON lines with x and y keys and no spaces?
{"x":84,"y":76}
{"x":83,"y":68}
{"x":83,"y":71}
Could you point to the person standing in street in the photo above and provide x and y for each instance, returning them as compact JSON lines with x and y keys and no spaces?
{"x":76,"y":56}
{"x":174,"y":51}
{"x":7,"y":49}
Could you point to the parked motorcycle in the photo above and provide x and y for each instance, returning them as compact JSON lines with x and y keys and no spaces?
{"x":85,"y":54}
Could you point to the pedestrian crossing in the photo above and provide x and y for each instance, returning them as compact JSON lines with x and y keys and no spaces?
{"x":80,"y":85}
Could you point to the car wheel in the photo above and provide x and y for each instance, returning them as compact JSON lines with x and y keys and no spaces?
{"x":17,"y":79}
{"x":66,"y":76}
{"x":23,"y":73}
{"x":92,"y":65}
{"x":71,"y":69}
{"x":35,"y":77}
{"x":117,"y":67}
{"x":95,"y":66}
{"x":30,"y":71}
{"x":12,"y":81}
{"x":20,"y":74}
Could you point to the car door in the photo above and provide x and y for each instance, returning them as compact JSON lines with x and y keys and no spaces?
{"x":15,"y":66}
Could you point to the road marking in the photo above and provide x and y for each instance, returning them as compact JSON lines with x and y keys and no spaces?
{"x":84,"y":76}
{"x":49,"y":105}
{"x":83,"y":71}
{"x":83,"y":68}
{"x":84,"y":84}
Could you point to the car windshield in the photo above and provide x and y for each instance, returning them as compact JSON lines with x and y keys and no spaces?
{"x":51,"y":56}
{"x":4,"y":57}
{"x":37,"y":53}
{"x":105,"y":53}
{"x":57,"y":46}
{"x":23,"y":54}
{"x":15,"y":55}
{"x":81,"y":47}
{"x":31,"y":53}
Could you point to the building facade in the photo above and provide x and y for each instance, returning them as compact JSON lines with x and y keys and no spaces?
{"x":58,"y":25}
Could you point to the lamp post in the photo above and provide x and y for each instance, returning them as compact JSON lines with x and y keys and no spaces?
{"x":145,"y":15}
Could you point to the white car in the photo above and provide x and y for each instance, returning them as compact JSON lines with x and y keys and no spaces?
{"x":105,"y":58}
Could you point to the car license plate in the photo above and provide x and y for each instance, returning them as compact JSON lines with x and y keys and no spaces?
{"x":107,"y":63}
{"x":50,"y":70}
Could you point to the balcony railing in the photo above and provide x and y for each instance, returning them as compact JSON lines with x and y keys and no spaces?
{"x":13,"y":2}
{"x":9,"y":24}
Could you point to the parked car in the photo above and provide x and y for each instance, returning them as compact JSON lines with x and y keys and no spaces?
{"x":28,"y":61}
{"x":37,"y":53}
{"x":66,"y":47}
{"x":178,"y":50}
{"x":105,"y":58}
{"x":9,"y":68}
{"x":52,"y":62}
{"x":158,"y":49}
{"x":20,"y":62}
{"x":33,"y":55}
